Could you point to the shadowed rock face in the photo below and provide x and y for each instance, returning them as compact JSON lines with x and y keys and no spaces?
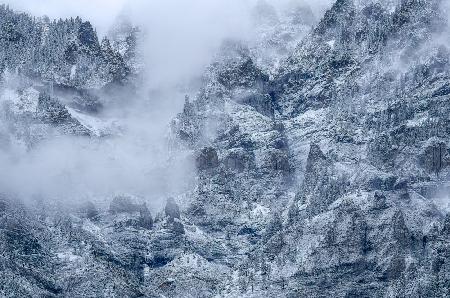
{"x":261,"y":102}
{"x":172,"y":210}
{"x":145,"y":218}
{"x":89,"y":210}
{"x":136,"y":214}
{"x":321,"y":185}
{"x":123,"y":204}
{"x":435,"y":156}
{"x":327,"y":176}
{"x":207,"y":159}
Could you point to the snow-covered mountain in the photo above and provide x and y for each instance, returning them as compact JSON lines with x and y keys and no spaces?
{"x":318,"y":150}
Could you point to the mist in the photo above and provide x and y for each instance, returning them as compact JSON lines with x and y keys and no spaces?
{"x":180,"y":40}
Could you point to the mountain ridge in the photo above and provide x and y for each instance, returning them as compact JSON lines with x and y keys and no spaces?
{"x":325,"y":175}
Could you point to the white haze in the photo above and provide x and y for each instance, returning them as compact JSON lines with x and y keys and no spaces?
{"x":100,"y":12}
{"x":181,"y":39}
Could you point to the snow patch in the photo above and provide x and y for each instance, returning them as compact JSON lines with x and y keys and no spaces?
{"x":73,"y":72}
{"x":443,"y":204}
{"x":331,"y":43}
{"x":91,"y":228}
{"x":259,"y":211}
{"x":194,"y":232}
{"x":416,"y":122}
{"x":27,"y":102}
{"x":68,"y":256}
{"x":97,"y":126}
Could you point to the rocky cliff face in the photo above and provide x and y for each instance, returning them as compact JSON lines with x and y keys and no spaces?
{"x":320,"y":171}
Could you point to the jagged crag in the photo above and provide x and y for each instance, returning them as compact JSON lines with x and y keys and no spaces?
{"x":325,"y":176}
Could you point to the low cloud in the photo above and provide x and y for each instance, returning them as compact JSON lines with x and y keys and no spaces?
{"x":181,"y":38}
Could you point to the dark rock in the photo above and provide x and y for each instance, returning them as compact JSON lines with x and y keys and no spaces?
{"x":434,"y":156}
{"x":172,"y":210}
{"x":261,"y":102}
{"x":239,"y":160}
{"x":246,"y":231}
{"x":177,"y":227}
{"x":123,"y":204}
{"x":278,"y":160}
{"x":400,"y":231}
{"x":384,"y":183}
{"x":3,"y":205}
{"x":196,"y":210}
{"x":89,"y":210}
{"x":87,"y":103}
{"x":446,"y":226}
{"x":321,"y":185}
{"x":207,"y":159}
{"x":145,"y":218}
{"x":52,"y":111}
{"x":280,"y":143}
{"x":159,"y":261}
{"x":396,"y":267}
{"x":379,"y":201}
{"x":401,"y":184}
